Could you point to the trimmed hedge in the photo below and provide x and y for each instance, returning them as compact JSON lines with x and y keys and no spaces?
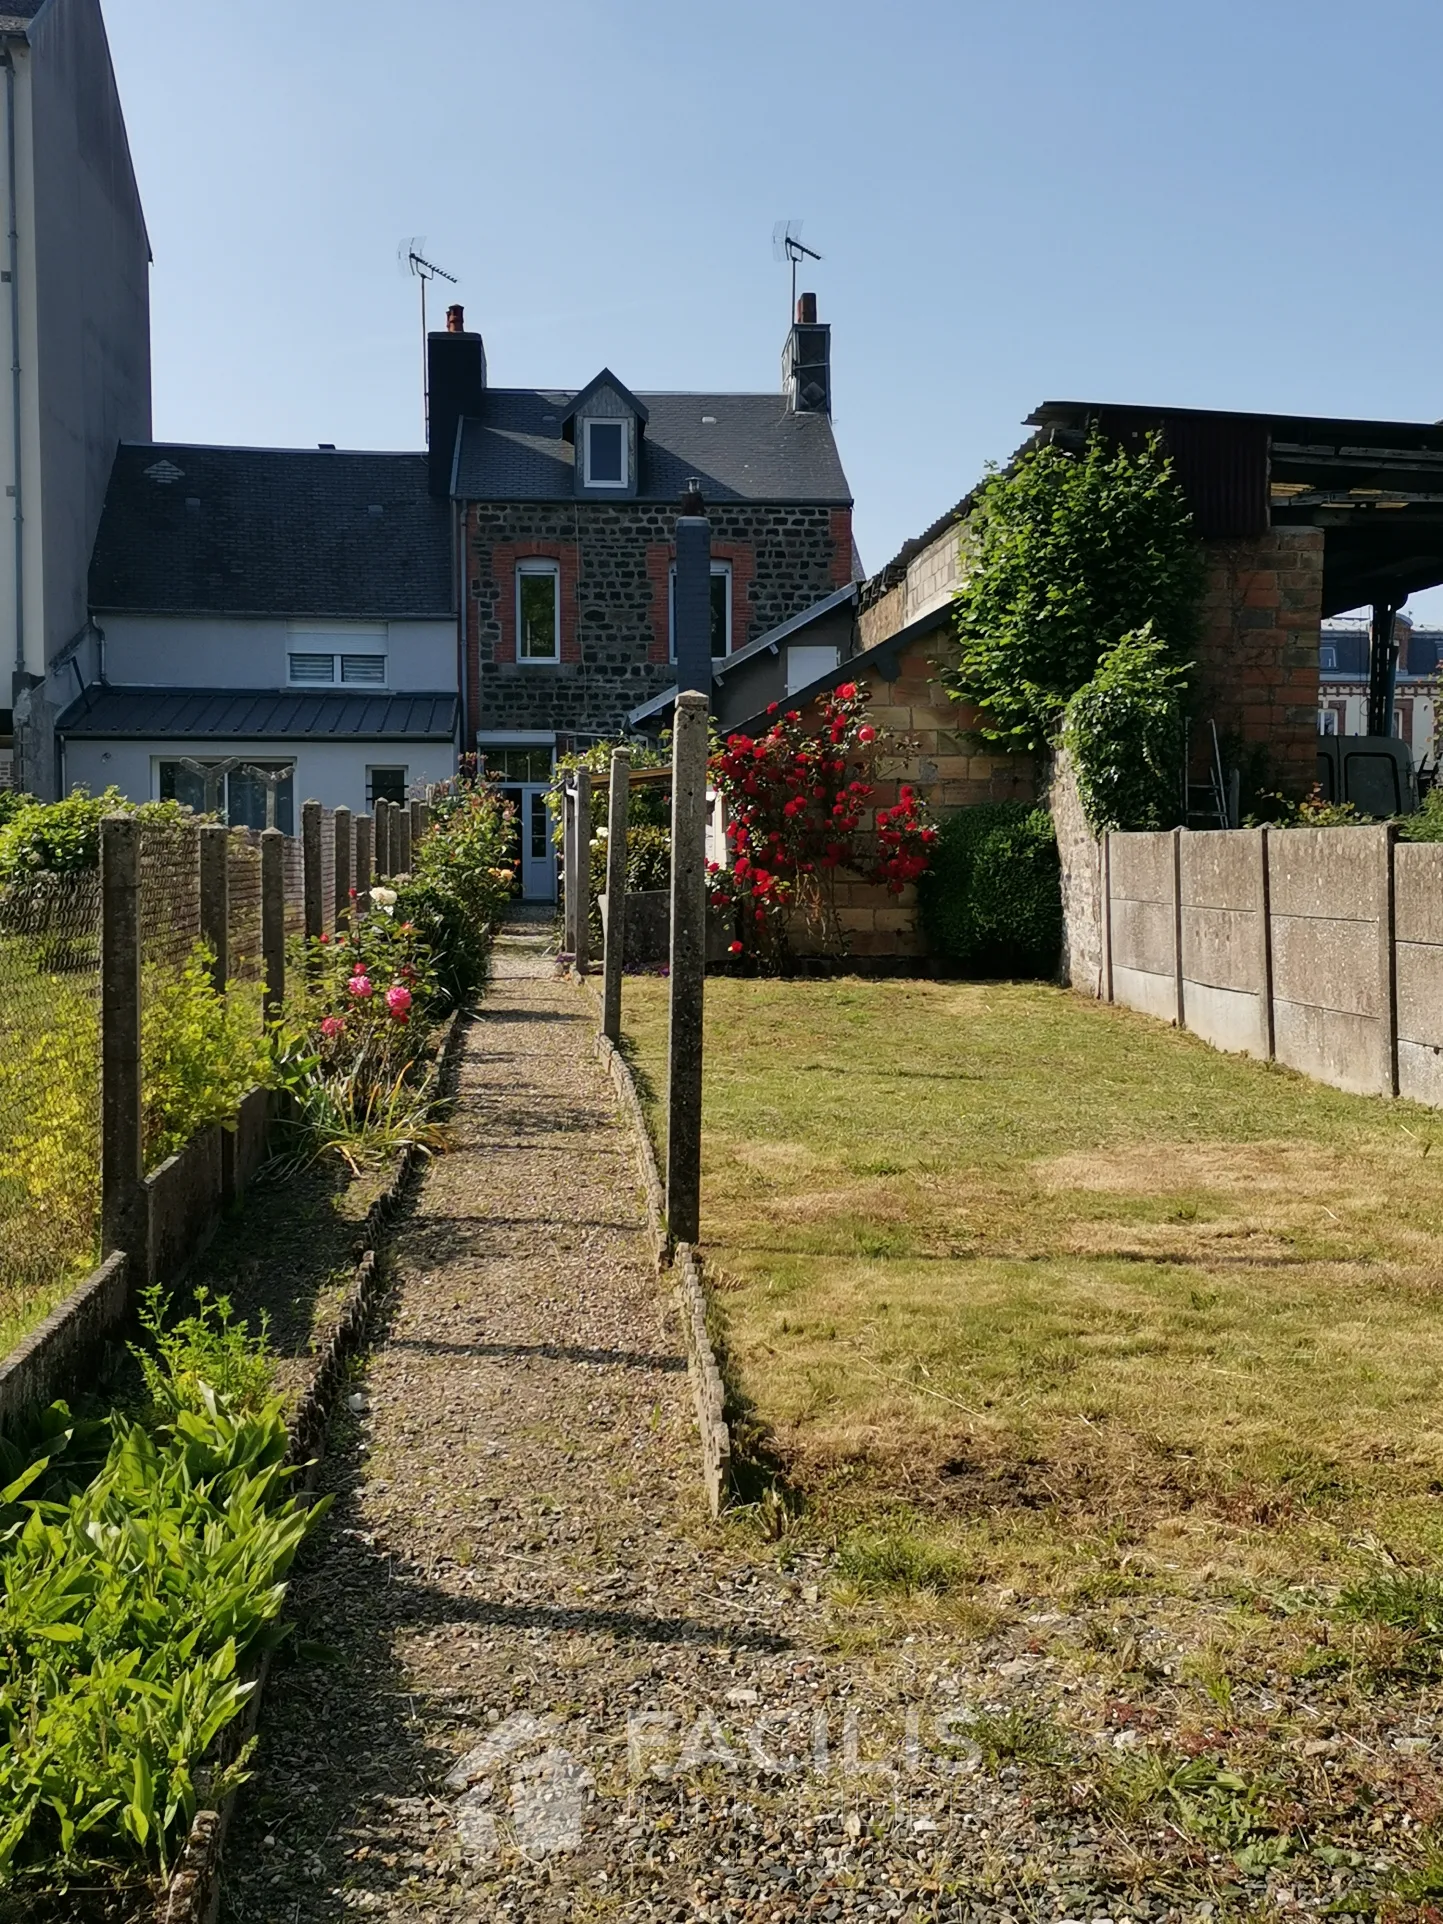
{"x":991,"y":901}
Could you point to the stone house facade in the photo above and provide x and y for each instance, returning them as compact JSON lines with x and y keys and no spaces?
{"x":565,"y":505}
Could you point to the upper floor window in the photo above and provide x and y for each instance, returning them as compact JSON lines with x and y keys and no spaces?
{"x":605,"y":454}
{"x":310,"y":667}
{"x":321,"y":653}
{"x":721,"y":608}
{"x":538,"y":611}
{"x":1327,"y":657}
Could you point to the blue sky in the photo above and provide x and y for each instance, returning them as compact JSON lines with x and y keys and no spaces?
{"x":1229,"y":204}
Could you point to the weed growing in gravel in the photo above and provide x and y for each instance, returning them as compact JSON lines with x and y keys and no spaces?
{"x":899,"y":1562}
{"x":1019,"y":1735}
{"x":1408,"y":1603}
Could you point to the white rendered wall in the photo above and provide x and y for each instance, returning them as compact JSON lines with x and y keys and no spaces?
{"x":333,"y":773}
{"x":231,"y":651}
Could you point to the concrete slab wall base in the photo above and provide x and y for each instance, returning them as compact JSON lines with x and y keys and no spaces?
{"x":60,"y":1353}
{"x":688,"y":1276}
{"x":1320,"y":948}
{"x":193,"y":1894}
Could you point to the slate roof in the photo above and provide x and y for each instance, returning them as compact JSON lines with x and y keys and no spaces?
{"x":271,"y":531}
{"x":754,"y":448}
{"x":252,"y":713}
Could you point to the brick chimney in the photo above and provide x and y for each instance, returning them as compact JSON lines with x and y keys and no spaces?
{"x":807,"y":361}
{"x":456,"y":371}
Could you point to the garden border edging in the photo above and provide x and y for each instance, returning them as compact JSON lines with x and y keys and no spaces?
{"x":689,"y":1284}
{"x":192,"y":1896}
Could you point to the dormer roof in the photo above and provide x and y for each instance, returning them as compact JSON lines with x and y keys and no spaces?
{"x":594,"y":386}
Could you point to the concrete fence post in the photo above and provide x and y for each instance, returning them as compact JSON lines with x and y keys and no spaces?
{"x":214,"y":858}
{"x":341,"y":824}
{"x":617,"y":815}
{"x":582,"y":947}
{"x":1265,"y":947}
{"x":1177,"y":970}
{"x":273,"y":922}
{"x":362,"y":829}
{"x":400,"y":841}
{"x":568,"y":866}
{"x":124,"y":1211}
{"x":688,"y":967}
{"x":1387,"y":959}
{"x":311,"y":873}
{"x":381,"y":838}
{"x":1107,"y":916}
{"x":420,"y":823}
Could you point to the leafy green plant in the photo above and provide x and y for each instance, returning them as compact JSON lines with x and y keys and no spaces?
{"x":63,"y":838}
{"x":649,"y":804}
{"x":991,"y":901}
{"x":1064,"y":554}
{"x":462,"y":873}
{"x":1125,"y":731}
{"x":202,"y":1051}
{"x":129,"y":1606}
{"x":1018,"y":1735}
{"x":206,"y":1350}
{"x":1427,"y":824}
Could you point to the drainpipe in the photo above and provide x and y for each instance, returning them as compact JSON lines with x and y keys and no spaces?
{"x":463,"y":725}
{"x":14,"y":230}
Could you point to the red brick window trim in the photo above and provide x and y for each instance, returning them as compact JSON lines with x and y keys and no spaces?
{"x":505,"y":557}
{"x":659,"y":559}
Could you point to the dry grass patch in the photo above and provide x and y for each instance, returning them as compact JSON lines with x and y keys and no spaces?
{"x":1045,"y":1273}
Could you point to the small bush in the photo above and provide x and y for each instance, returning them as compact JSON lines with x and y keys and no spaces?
{"x":1125,"y":730}
{"x":1427,"y":824}
{"x":458,"y":891}
{"x":202,"y":1052}
{"x":63,"y":838}
{"x":992,"y":900}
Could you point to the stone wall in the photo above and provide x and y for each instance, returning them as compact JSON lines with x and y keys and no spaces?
{"x":1257,"y":657}
{"x":615,"y":559}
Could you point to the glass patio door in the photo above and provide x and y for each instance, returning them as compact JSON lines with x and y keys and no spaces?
{"x":536,"y":866}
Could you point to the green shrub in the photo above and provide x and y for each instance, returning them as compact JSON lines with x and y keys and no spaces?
{"x":648,"y":859}
{"x":459,"y":887}
{"x":201,"y":1051}
{"x":1063,"y":554}
{"x":991,"y":902}
{"x":1427,"y":824}
{"x":1126,"y":734}
{"x":130,"y":1604}
{"x":63,"y":838}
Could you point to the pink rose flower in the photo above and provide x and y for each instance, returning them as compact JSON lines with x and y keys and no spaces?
{"x":331,"y":1026}
{"x":359,"y":986}
{"x":398,"y":1001}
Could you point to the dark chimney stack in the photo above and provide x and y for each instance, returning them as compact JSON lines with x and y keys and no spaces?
{"x":456,"y":370}
{"x":807,"y":361}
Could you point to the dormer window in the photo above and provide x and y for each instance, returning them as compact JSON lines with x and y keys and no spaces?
{"x":605,"y":454}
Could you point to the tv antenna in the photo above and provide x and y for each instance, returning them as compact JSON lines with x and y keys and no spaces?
{"x":411,"y":255}
{"x":787,"y":246}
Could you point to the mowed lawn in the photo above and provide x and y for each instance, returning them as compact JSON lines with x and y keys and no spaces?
{"x":1068,"y":1290}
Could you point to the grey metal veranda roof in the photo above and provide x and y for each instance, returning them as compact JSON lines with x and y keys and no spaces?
{"x":743,"y":447}
{"x":252,"y":713}
{"x":271,"y":531}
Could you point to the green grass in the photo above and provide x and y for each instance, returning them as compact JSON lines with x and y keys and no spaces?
{"x":1103,"y":1306}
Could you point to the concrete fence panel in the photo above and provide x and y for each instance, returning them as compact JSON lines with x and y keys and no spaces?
{"x":1329,"y":892}
{"x":1223,"y":918}
{"x":1418,"y":960}
{"x":1142,"y":923}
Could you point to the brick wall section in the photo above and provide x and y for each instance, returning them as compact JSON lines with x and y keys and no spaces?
{"x":615,"y":558}
{"x":841,"y":526}
{"x":883,"y":617}
{"x":1258,"y":654}
{"x":931,"y":752}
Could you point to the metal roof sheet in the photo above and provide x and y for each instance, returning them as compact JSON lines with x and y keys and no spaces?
{"x":254,"y":713}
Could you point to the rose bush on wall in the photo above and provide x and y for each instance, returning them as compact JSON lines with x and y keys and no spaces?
{"x":800,"y":807}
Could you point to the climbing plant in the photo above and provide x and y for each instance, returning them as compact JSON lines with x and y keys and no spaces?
{"x":1125,"y":731}
{"x":1064,"y":555}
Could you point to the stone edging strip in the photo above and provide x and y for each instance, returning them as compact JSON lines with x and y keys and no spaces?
{"x":47,"y":1363}
{"x":193,"y":1894}
{"x":708,"y":1390}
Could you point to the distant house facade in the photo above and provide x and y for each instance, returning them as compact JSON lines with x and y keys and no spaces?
{"x":266,"y":612}
{"x":566,"y":502}
{"x":75,"y":326}
{"x":1343,"y":684}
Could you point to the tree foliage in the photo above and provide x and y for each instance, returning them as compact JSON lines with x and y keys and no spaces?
{"x":1065,"y":554}
{"x":1125,"y":733}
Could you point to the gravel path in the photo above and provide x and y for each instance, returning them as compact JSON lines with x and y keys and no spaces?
{"x":535,"y":1680}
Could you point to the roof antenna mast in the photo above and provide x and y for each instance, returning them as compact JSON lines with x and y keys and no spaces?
{"x":787,"y":246}
{"x":410,"y":254}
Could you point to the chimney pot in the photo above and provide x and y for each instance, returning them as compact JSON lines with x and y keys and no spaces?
{"x":456,"y":318}
{"x":691,"y":499}
{"x":807,"y":309}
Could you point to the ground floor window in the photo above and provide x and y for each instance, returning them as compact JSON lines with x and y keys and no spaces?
{"x":528,"y":764}
{"x":385,"y":785}
{"x":249,"y":794}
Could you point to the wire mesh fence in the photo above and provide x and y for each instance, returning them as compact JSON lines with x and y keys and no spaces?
{"x":49,"y":1090}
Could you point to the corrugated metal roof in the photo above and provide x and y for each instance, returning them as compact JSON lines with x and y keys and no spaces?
{"x":254,"y":713}
{"x":744,"y":447}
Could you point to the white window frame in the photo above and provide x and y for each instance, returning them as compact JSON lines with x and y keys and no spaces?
{"x":723,"y":568}
{"x":338,"y":657}
{"x":535,"y":567}
{"x":606,"y":421}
